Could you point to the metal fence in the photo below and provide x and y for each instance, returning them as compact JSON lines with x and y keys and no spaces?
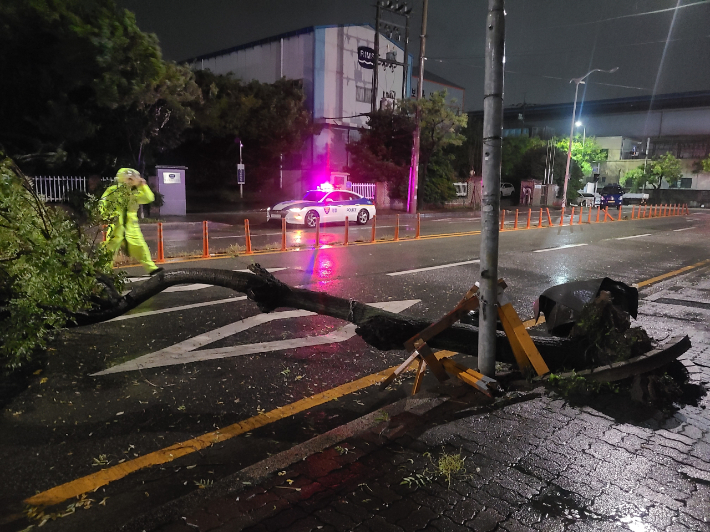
{"x":56,"y":188}
{"x":364,"y":189}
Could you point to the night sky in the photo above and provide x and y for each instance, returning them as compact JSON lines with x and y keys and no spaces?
{"x":548,"y":42}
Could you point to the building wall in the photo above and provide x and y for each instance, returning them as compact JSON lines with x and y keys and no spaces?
{"x":639,"y":125}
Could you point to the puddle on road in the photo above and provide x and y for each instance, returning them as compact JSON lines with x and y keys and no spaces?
{"x":570,"y":508}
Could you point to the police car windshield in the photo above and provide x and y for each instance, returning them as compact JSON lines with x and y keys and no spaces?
{"x":314,"y":195}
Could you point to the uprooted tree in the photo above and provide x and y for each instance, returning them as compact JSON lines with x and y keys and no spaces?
{"x":55,"y":274}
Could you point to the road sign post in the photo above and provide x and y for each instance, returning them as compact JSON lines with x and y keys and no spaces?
{"x":241,"y":179}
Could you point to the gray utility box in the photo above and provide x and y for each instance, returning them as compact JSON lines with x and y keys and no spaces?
{"x":171,"y":184}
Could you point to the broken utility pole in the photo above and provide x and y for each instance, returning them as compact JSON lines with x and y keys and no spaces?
{"x":414,"y":168}
{"x":490,"y":204}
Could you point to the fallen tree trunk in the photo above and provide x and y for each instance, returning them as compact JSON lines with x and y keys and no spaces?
{"x":379,"y":328}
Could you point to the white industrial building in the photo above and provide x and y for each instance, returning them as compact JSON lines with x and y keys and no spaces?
{"x":335,"y":65}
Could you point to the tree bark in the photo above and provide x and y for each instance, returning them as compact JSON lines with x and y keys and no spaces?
{"x":379,"y":328}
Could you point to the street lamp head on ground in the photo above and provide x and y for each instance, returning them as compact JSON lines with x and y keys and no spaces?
{"x":577,"y":82}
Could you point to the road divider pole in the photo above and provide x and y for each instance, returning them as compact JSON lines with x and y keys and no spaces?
{"x":549,"y":218}
{"x":529,"y":216}
{"x":283,"y":234}
{"x":619,"y":214}
{"x":345,"y":236}
{"x":374,"y":226}
{"x":247,"y":234}
{"x":539,"y":220}
{"x":502,"y":219}
{"x":419,"y":226}
{"x":515,"y":225}
{"x":571,"y":217}
{"x":581,"y":210}
{"x":632,"y":212}
{"x":598,"y":209}
{"x":161,"y":251}
{"x":205,"y":241}
{"x":589,"y":215}
{"x":318,"y":232}
{"x":562,"y":215}
{"x":396,"y":228}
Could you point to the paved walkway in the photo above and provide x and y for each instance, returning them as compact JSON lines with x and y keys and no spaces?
{"x":531,"y":462}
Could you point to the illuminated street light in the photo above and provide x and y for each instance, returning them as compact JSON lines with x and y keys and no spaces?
{"x":577,"y":82}
{"x":584,"y":131}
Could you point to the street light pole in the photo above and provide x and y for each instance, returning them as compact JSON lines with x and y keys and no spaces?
{"x":577,"y":82}
{"x":584,"y":131}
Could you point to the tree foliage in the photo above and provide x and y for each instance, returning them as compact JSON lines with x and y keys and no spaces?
{"x":383,"y":151}
{"x":270,"y":119}
{"x":83,"y":88}
{"x":49,"y":269}
{"x":661,"y":167}
{"x":583,"y":152}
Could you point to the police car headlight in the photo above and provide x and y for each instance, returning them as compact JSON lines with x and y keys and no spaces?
{"x":295,"y":209}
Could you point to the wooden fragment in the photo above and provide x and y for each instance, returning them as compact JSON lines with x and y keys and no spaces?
{"x":399,"y":370}
{"x":654,"y":359}
{"x":523,"y":347}
{"x":467,"y":375}
{"x":419,"y":377}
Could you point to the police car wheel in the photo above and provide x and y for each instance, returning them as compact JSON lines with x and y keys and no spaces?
{"x":363,"y":216}
{"x":311,"y":218}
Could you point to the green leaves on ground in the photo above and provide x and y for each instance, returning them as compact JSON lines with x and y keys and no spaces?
{"x":48,"y":269}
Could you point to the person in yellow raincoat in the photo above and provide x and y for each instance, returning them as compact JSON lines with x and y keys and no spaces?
{"x":119,"y":203}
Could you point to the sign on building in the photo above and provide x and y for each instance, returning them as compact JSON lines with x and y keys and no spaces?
{"x":366,"y":57}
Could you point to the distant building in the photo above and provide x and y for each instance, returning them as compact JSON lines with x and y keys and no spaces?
{"x":624,"y":127}
{"x":335,"y":65}
{"x":455,"y":94}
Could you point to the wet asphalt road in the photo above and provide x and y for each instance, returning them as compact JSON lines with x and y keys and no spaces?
{"x":68,"y":423}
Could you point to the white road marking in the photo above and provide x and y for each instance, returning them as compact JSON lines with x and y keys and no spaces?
{"x":561,"y":247}
{"x":184,"y":352}
{"x":684,"y":229}
{"x":406,"y":272}
{"x":175,"y":309}
{"x":632,"y":236}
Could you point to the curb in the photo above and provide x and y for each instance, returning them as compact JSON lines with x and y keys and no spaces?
{"x":249,"y":478}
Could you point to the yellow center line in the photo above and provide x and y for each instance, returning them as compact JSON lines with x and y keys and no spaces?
{"x":647,"y":282}
{"x":94,"y":481}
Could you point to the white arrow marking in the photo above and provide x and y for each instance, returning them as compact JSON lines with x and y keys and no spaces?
{"x":184,"y":352}
{"x":181,"y":307}
{"x":428,"y":268}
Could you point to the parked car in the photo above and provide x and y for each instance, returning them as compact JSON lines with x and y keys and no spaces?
{"x":506,"y":189}
{"x":326,"y":206}
{"x":612,"y":195}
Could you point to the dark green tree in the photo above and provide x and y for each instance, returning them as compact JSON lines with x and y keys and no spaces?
{"x":384,"y":150}
{"x":270,"y":119}
{"x":49,"y":269}
{"x":82,"y":88}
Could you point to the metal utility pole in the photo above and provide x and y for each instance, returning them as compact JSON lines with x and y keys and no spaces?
{"x":376,"y":64}
{"x":577,"y":82}
{"x":414,"y":169}
{"x":490,"y":204}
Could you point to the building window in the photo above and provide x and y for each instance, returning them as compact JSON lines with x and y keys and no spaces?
{"x":363,"y":94}
{"x":686,"y":182}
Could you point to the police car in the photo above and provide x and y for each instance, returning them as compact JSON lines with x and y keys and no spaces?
{"x":324,"y":205}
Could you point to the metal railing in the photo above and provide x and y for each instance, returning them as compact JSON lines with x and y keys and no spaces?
{"x":366,"y":190}
{"x":55,"y":188}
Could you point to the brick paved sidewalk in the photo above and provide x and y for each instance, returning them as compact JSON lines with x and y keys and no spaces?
{"x":539,"y":464}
